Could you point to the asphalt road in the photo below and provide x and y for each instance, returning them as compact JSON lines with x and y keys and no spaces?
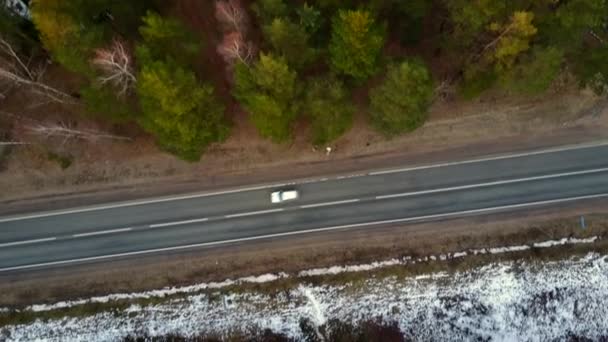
{"x":370,"y":199}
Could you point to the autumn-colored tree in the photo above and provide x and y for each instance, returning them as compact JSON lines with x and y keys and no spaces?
{"x":71,"y":30}
{"x":63,"y":36}
{"x":512,"y":39}
{"x":356,"y":44}
{"x":401,"y":102}
{"x":267,"y":90}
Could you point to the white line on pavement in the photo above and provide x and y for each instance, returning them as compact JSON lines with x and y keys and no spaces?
{"x":480,"y":185}
{"x":26,"y":242}
{"x":176,"y":223}
{"x":314,"y":230}
{"x":491,"y":158}
{"x":103,"y":232}
{"x":269,"y":186}
{"x":329,"y":203}
{"x":251,"y":213}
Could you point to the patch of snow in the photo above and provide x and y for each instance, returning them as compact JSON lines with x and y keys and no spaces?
{"x":459,"y":255}
{"x":509,"y":301}
{"x":158,"y":293}
{"x":307,"y":273}
{"x":564,"y":241}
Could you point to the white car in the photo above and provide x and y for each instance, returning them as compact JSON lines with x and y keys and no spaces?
{"x":284,"y":195}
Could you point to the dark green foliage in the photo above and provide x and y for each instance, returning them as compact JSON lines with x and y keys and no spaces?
{"x":356,"y":44}
{"x":591,"y":68}
{"x":289,"y":40}
{"x":566,"y":26}
{"x":267,"y":10}
{"x":20,"y":33}
{"x":102,"y":102}
{"x":329,"y":107}
{"x":310,"y":18}
{"x":169,"y":38}
{"x":70,"y":30}
{"x":405,"y":18}
{"x":267,"y":90}
{"x":64,"y":161}
{"x":535,"y":73}
{"x":183,"y":115}
{"x":475,"y":81}
{"x":401,"y":102}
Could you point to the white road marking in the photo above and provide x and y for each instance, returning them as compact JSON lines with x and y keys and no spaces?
{"x":26,"y":242}
{"x":251,"y":213}
{"x":306,"y":231}
{"x":139,"y":202}
{"x":177,"y":223}
{"x":103,"y":232}
{"x":278,"y":185}
{"x":329,"y":203}
{"x":491,"y":158}
{"x":480,"y":185}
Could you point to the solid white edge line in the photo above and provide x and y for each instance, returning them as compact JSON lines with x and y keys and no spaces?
{"x":300,"y":232}
{"x":269,"y":186}
{"x":481,"y":185}
{"x":306,"y":206}
{"x":491,"y":158}
{"x":27,"y":242}
{"x":251,"y":213}
{"x":177,"y":223}
{"x":102,"y":232}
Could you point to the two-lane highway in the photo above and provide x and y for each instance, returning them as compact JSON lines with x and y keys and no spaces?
{"x":488,"y":184}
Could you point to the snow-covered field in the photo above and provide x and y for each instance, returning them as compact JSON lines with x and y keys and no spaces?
{"x":514,"y":301}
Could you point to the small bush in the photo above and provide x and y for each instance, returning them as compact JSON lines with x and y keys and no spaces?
{"x":64,"y":161}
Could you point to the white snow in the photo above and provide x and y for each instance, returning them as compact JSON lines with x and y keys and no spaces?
{"x":307,"y":273}
{"x":511,"y":301}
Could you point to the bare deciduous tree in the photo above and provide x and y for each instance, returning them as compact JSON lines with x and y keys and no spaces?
{"x":11,"y":143}
{"x":16,"y":72}
{"x":24,"y":126}
{"x":231,"y":15}
{"x":65,"y":131}
{"x":116,"y":65}
{"x":234,"y":48}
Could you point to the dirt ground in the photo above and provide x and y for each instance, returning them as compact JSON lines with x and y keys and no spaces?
{"x":297,"y":253}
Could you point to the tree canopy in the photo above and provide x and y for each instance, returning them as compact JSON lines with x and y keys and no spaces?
{"x":267,"y":90}
{"x":329,"y":107}
{"x":182,"y":114}
{"x":356,"y":44}
{"x":401,"y":102}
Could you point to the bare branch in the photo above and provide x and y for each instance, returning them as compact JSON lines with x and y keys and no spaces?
{"x":64,"y":131}
{"x":12,"y":143}
{"x":8,"y":49}
{"x":116,"y":64}
{"x":16,"y":71}
{"x":231,"y":15}
{"x":597,"y":37}
{"x":234,"y":48}
{"x":38,"y":87}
